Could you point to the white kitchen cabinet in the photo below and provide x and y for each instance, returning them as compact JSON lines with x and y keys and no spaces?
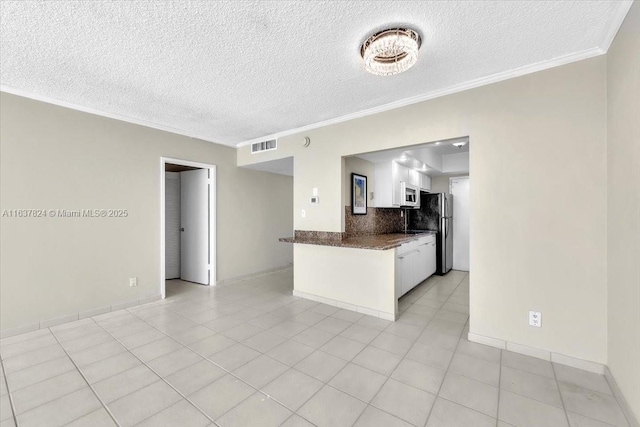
{"x":387,"y":188}
{"x":415,"y":178}
{"x":425,"y":182}
{"x":432,"y":263}
{"x":427,"y":256}
{"x":406,"y":265}
{"x":402,"y":172}
{"x":415,"y":262}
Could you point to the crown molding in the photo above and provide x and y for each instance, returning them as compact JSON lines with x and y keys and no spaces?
{"x":618,"y":19}
{"x":115,"y":116}
{"x":483,"y":81}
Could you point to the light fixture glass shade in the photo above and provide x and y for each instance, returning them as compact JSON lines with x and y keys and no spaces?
{"x":391,"y":51}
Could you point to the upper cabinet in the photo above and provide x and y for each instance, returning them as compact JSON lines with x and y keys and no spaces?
{"x":414,"y":178}
{"x":389,"y":177}
{"x":425,"y":182}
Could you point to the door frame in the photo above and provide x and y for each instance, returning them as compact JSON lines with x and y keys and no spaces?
{"x":212,"y":217}
{"x":467,"y":176}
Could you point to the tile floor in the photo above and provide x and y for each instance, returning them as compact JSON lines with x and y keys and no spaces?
{"x":251,"y":354}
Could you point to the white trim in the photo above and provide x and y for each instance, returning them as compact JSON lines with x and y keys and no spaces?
{"x":350,"y":307}
{"x":252,"y":275}
{"x":529,"y":351}
{"x":115,"y":116}
{"x":559,"y":358}
{"x":624,"y":405}
{"x":59,"y":320}
{"x":483,"y":81}
{"x":491,"y":342}
{"x":212,"y":218}
{"x":75,"y":317}
{"x":619,"y":16}
{"x":19,"y":330}
{"x":618,"y":19}
{"x":574,"y":362}
{"x":494,"y":78}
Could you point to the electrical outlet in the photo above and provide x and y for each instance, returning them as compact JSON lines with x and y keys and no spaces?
{"x":535,"y":319}
{"x":133,"y":281}
{"x":303,"y":213}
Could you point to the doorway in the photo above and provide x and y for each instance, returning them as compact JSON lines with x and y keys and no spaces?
{"x":188,"y":225}
{"x":459,"y":188}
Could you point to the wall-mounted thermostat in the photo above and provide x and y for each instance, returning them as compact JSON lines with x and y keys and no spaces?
{"x":315,"y":200}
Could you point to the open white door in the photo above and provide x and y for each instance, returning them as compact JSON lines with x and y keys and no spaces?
{"x":194,"y":218}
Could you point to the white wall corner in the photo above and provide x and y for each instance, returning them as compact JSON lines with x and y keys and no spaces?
{"x":616,"y":23}
{"x":538,"y":353}
{"x":624,"y":405}
{"x":574,"y":362}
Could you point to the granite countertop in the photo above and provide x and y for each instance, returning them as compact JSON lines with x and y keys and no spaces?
{"x":379,"y":242}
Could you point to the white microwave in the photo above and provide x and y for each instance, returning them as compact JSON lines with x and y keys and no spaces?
{"x":410,"y":194}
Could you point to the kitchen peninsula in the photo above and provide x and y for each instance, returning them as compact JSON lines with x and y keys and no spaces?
{"x":366,"y":274}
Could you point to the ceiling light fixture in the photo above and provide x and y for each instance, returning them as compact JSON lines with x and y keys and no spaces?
{"x":459,"y":144}
{"x":391,"y":51}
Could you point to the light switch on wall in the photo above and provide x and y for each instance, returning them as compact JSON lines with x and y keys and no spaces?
{"x":303,"y":213}
{"x":315,"y":191}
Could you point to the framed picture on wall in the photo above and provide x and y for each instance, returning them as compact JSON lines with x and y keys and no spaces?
{"x":358,"y":194}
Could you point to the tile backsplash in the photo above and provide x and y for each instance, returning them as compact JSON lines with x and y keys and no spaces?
{"x":376,"y":221}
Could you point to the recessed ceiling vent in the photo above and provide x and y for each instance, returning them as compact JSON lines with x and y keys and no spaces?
{"x":269,"y":145}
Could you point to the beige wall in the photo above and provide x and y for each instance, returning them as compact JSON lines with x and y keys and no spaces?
{"x":439,"y":184}
{"x":361,"y":167}
{"x":623,"y":161}
{"x":538,"y":240}
{"x":53,"y":157}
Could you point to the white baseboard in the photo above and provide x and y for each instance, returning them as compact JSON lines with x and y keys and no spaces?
{"x":346,"y":306}
{"x":559,"y":358}
{"x":48,"y":323}
{"x":624,"y":405}
{"x":491,"y":342}
{"x":252,"y":275}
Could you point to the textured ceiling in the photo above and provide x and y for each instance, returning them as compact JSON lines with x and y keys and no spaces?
{"x":234,"y":71}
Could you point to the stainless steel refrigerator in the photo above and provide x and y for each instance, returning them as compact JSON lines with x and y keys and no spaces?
{"x":436,"y":214}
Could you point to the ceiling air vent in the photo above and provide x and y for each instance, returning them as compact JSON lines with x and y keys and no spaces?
{"x":257,"y":147}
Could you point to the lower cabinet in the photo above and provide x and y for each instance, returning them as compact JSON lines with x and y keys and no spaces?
{"x":415,"y":262}
{"x":404,"y":272}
